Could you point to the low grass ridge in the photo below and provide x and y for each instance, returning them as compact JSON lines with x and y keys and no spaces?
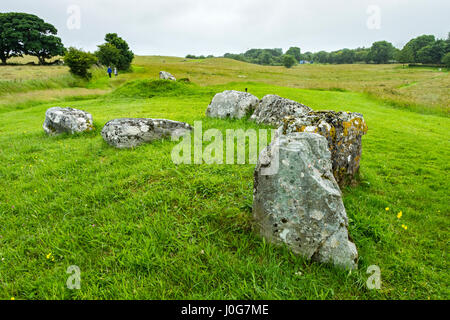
{"x":144,"y":89}
{"x":62,"y":81}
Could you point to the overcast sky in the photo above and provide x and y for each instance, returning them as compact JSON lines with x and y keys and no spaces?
{"x":179,"y":27}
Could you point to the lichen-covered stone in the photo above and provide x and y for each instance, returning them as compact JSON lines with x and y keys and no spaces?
{"x":164,"y":75}
{"x":131,"y":132}
{"x":232,"y":104}
{"x":273,"y":109}
{"x":59,"y":120}
{"x":299,"y":204}
{"x":343,"y":131}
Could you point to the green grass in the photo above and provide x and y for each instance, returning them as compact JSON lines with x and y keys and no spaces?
{"x":141,"y":227}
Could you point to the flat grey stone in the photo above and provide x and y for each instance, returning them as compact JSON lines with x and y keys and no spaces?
{"x":59,"y":120}
{"x":132,"y":132}
{"x":232,"y":104}
{"x":273,"y":109}
{"x":164,"y":75}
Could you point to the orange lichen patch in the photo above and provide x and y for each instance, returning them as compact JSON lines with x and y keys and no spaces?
{"x":356,"y":124}
{"x":333,"y":133}
{"x":301,"y":129}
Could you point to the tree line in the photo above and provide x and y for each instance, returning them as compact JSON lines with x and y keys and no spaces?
{"x":425,"y":49}
{"x":26,"y":34}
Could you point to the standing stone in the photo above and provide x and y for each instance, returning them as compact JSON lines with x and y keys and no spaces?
{"x":164,"y":75}
{"x":298,"y":202}
{"x":273,"y":109}
{"x":131,"y":132}
{"x":232,"y":104}
{"x":343,"y":131}
{"x":59,"y":120}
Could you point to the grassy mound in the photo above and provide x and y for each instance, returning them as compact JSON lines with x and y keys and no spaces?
{"x":145,"y":89}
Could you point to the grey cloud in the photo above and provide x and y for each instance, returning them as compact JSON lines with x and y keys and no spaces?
{"x":179,"y":27}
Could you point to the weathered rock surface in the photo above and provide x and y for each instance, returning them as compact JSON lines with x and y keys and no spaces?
{"x":232,"y":104}
{"x":300,"y":203}
{"x":164,"y":75}
{"x":273,"y":109}
{"x":131,"y":132}
{"x":343,"y":131}
{"x":59,"y":120}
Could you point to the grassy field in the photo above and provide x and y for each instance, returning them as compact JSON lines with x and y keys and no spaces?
{"x":141,"y":227}
{"x":425,"y":90}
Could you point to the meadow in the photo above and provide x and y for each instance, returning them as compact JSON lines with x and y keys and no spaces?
{"x":141,"y":227}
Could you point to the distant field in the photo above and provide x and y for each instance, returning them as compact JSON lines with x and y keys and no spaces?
{"x":420,"y":89}
{"x":141,"y":227}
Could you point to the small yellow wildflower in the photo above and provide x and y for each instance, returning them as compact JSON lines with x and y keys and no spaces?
{"x":399,"y":215}
{"x":404,"y":227}
{"x":387,"y":209}
{"x":12,"y":298}
{"x":49,"y":255}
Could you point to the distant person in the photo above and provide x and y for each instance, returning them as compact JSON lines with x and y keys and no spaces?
{"x":109,"y":71}
{"x":115,"y":71}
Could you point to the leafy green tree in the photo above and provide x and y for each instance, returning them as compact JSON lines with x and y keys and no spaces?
{"x":345,"y":56}
{"x":381,"y":52}
{"x":446,"y":60}
{"x":361,"y":55}
{"x":447,"y":43}
{"x":406,"y":55}
{"x":432,"y":53}
{"x":10,"y":36}
{"x":23,"y":33}
{"x":44,"y":47}
{"x":108,"y":55}
{"x":79,"y":62}
{"x":307,"y":56}
{"x":288,"y":61}
{"x":295,"y":52}
{"x":266,"y":58}
{"x":414,"y":45}
{"x":321,"y":57}
{"x":126,"y":55}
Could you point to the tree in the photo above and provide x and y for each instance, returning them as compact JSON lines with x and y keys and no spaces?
{"x":381,"y":52}
{"x":321,"y":57}
{"x":447,"y":43}
{"x":295,"y":52}
{"x":432,"y":53}
{"x":23,"y":33}
{"x":446,"y":60}
{"x":44,"y":47}
{"x":405,"y":55}
{"x":266,"y":58}
{"x":10,"y":37}
{"x":79,"y":62}
{"x":414,"y":45}
{"x":307,"y":56}
{"x":108,"y":55}
{"x":126,"y":55}
{"x":288,"y":61}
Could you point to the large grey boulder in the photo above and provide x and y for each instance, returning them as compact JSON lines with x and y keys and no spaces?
{"x":232,"y":104}
{"x":59,"y":120}
{"x":298,"y":202}
{"x":273,"y":109}
{"x":164,"y":75}
{"x":343,"y":131}
{"x":131,"y":132}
